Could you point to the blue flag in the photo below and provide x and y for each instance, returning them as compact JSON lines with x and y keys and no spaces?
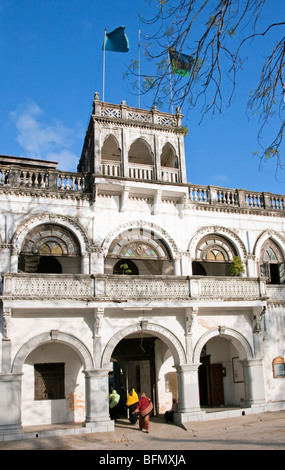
{"x":117,"y":40}
{"x":181,"y":63}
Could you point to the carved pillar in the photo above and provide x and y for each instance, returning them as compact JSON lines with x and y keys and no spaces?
{"x":190,"y":316}
{"x":98,"y":315}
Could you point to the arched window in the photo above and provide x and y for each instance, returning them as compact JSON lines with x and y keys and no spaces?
{"x":140,"y":153}
{"x":141,"y":247}
{"x":169,"y":164}
{"x":272,"y":264}
{"x":168,"y":157}
{"x":50,"y":248}
{"x":214,"y":254}
{"x":111,"y":157}
{"x":110,"y":149}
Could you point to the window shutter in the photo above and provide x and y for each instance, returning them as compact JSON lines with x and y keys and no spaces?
{"x":282,"y":272}
{"x":264,"y":270}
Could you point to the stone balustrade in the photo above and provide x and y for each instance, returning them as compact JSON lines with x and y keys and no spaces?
{"x":111,"y":168}
{"x":144,"y":172}
{"x":242,"y":198}
{"x":125,"y":288}
{"x":13,"y":176}
{"x":126,"y":113}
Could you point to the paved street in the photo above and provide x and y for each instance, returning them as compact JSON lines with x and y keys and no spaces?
{"x":264,"y":431}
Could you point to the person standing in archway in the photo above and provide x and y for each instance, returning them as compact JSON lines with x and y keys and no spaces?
{"x":144,"y":408}
{"x":114,"y":399}
{"x":132,"y":402}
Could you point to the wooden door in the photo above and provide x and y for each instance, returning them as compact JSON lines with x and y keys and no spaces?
{"x":217,"y":384}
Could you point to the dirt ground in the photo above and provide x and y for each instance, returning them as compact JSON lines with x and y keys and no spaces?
{"x":264,"y":431}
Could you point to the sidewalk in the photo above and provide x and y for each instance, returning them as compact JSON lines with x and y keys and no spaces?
{"x":262,"y":431}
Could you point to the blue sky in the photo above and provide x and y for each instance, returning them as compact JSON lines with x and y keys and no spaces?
{"x":52,"y":64}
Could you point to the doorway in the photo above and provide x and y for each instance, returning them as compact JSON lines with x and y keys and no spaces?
{"x":133,"y":367}
{"x":211,"y":386}
{"x":221,"y":378}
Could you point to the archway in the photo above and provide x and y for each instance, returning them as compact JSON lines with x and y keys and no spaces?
{"x":53,"y":385}
{"x":221,"y":376}
{"x":142,"y":357}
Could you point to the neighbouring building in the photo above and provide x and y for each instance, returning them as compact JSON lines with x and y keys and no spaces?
{"x":120,"y":276}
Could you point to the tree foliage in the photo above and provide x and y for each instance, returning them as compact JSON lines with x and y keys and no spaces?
{"x":216,"y":33}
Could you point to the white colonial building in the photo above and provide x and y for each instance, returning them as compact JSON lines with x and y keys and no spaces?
{"x":119,"y":276}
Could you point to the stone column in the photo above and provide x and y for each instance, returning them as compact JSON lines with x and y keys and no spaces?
{"x":85,"y":264}
{"x":177,"y":266}
{"x":254,"y":382}
{"x":251,"y":266}
{"x":14,"y":262}
{"x":124,"y":154}
{"x":188,"y":393}
{"x":10,"y":404}
{"x":97,"y":401}
{"x":97,"y":266}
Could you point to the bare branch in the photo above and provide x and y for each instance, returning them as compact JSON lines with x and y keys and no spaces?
{"x":208,"y":31}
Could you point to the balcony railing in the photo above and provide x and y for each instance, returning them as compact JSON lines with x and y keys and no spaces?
{"x":143,"y":172}
{"x":111,"y":168}
{"x":239,"y":198}
{"x":13,"y":176}
{"x":125,"y":288}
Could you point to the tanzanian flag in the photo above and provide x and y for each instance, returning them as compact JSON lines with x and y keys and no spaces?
{"x":117,"y":40}
{"x":181,"y":63}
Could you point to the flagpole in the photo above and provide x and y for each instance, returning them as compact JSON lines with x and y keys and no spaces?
{"x":104,"y":64}
{"x":139,"y":66}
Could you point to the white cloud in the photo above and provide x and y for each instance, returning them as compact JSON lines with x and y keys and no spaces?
{"x":42,"y":140}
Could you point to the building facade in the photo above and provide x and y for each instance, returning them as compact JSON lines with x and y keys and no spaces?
{"x":124,"y":275}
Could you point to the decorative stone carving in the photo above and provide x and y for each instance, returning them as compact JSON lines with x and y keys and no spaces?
{"x":218,"y":230}
{"x":190,"y":317}
{"x":258,"y":316}
{"x":160,"y":233}
{"x":6,"y":322}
